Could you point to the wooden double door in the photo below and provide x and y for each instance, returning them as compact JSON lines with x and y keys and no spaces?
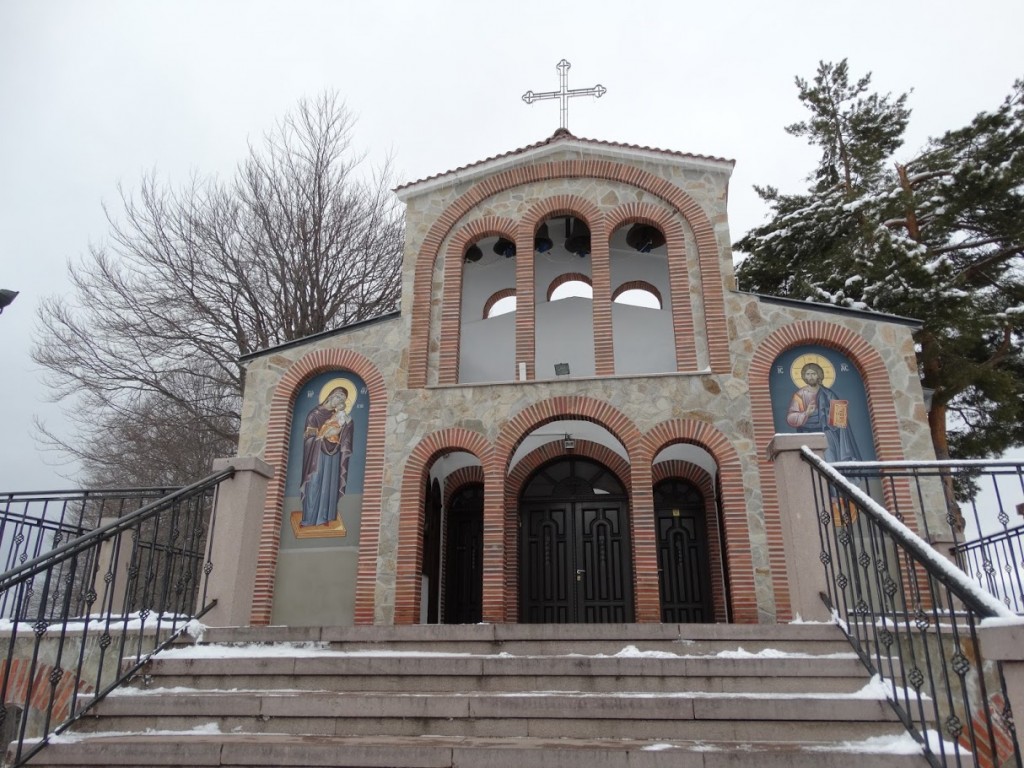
{"x":575,"y":555}
{"x":576,"y":563}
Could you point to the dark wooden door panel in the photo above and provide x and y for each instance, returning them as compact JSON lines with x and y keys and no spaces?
{"x":683,"y":561}
{"x":575,"y":563}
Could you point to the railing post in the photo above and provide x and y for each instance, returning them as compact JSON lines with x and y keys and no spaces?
{"x":1005,"y":643}
{"x":800,"y":526}
{"x":233,"y":552}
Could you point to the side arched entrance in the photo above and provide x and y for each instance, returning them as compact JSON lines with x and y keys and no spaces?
{"x":575,"y":556}
{"x":684,"y":563}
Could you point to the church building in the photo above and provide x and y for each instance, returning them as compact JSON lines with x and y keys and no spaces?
{"x":568,"y":419}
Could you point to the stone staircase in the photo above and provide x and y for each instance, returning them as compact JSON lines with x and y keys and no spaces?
{"x":507,"y":696}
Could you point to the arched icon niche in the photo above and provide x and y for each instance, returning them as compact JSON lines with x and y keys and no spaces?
{"x":817,"y":389}
{"x":326,"y":459}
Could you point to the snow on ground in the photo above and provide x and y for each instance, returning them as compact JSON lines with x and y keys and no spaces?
{"x":903,"y":744}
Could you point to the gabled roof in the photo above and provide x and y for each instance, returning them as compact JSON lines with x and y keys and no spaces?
{"x":560,"y":139}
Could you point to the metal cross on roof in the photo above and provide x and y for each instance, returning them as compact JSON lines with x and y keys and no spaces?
{"x":564,"y":93}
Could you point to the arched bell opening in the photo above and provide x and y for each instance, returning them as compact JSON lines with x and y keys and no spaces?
{"x":564,"y":319}
{"x":641,"y":300}
{"x":487,"y":335}
{"x":575,"y":553}
{"x":688,"y":527}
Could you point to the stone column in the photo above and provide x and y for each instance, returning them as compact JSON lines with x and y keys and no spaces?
{"x":800,"y":524}
{"x":1005,"y":643}
{"x":236,"y":540}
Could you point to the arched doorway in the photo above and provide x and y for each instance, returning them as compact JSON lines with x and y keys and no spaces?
{"x":684,"y":563}
{"x":574,"y":548}
{"x":463,"y":593}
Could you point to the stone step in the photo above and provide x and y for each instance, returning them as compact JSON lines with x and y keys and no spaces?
{"x":245,"y":751}
{"x":537,"y":714}
{"x":496,"y":695}
{"x":320,"y":670}
{"x":541,"y":639}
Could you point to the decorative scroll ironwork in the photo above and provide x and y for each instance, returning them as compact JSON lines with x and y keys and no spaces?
{"x":912,"y":617}
{"x":85,"y":616}
{"x":954,"y":500}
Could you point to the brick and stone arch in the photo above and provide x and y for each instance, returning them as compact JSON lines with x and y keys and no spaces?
{"x":458,"y":479}
{"x":452,"y":309}
{"x":620,"y":427}
{"x":685,"y":470}
{"x":528,"y":464}
{"x":734,"y":517}
{"x":678,"y":272}
{"x":708,"y":257}
{"x":526,"y":321}
{"x":410,"y":523}
{"x":885,"y":426}
{"x":276,"y":455}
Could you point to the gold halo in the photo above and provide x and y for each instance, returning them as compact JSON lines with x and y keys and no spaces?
{"x":353,"y":393}
{"x":827,"y":368}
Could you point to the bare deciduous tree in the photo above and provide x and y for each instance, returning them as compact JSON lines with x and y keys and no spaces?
{"x":296,"y":243}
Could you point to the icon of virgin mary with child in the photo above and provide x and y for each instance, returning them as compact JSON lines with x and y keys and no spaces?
{"x":326,"y":451}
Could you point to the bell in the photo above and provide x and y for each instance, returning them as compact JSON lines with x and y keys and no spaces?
{"x":505,"y":248}
{"x":473,"y":254}
{"x":579,"y":241}
{"x":541,"y":241}
{"x":644,"y":238}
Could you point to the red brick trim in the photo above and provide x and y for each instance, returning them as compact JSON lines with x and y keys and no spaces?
{"x":568,"y":277}
{"x":526,"y":322}
{"x":458,"y":479}
{"x":410,"y":523}
{"x":684,"y":470}
{"x":645,"y":556}
{"x":430,"y":248}
{"x":678,"y":273}
{"x":276,"y":455}
{"x":497,"y":296}
{"x":885,"y":425}
{"x":638,"y":285}
{"x":451,"y":301}
{"x":28,"y":687}
{"x":518,"y":477}
{"x":738,"y":550}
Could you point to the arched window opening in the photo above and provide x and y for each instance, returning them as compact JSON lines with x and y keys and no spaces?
{"x":500,"y":303}
{"x":570,"y":285}
{"x":638,"y":293}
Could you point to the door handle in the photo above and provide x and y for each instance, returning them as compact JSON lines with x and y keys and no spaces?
{"x":579,"y":573}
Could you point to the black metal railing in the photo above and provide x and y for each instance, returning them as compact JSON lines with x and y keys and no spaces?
{"x":912,"y":617}
{"x":972,"y":509}
{"x":996,"y":563}
{"x":36,"y":522}
{"x":85,"y":616}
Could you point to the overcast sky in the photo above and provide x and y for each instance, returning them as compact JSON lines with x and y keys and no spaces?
{"x":94,"y":93}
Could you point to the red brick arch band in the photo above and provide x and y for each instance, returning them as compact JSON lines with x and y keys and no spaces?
{"x":276,"y":455}
{"x":885,"y":425}
{"x":700,"y":224}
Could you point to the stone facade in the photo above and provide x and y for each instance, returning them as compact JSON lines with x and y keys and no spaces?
{"x":716,"y":400}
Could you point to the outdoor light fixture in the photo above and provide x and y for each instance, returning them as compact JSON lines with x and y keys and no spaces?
{"x":561,"y":369}
{"x":567,"y":442}
{"x":6,"y":297}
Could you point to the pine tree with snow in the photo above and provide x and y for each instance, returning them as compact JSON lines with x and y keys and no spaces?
{"x":939,"y":237}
